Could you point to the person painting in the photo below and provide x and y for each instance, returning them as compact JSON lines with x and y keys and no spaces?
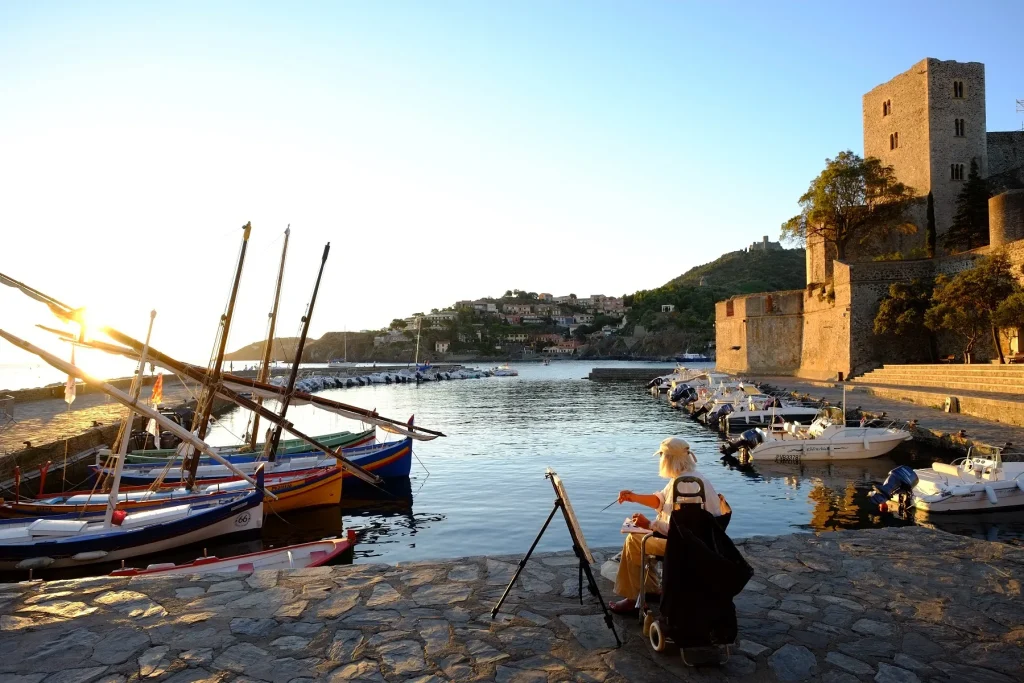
{"x":676,"y":460}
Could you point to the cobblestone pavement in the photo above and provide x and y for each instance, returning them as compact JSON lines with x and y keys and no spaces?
{"x":42,"y":422}
{"x":889,"y":605}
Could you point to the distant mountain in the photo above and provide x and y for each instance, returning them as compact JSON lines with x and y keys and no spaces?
{"x":284,"y":350}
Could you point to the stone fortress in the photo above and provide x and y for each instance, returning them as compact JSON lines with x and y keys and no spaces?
{"x":928,"y":123}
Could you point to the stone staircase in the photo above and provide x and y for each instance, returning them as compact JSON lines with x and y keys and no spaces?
{"x":993,"y":392}
{"x":950,"y":379}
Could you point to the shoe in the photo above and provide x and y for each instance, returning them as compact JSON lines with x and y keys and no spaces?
{"x":624,"y":606}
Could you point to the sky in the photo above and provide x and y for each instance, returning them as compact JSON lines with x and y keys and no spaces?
{"x":447,"y":150}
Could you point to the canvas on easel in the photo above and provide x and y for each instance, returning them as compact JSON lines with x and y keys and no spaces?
{"x":579,"y":546}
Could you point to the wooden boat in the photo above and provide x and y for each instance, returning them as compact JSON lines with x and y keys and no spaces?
{"x":314,"y":554}
{"x":287,"y":447}
{"x":294,"y":490}
{"x":384,"y":460}
{"x":68,"y":541}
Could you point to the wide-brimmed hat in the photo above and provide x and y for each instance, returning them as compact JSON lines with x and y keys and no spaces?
{"x":674,"y":446}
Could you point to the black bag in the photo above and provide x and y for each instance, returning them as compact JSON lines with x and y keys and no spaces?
{"x":702,"y":573}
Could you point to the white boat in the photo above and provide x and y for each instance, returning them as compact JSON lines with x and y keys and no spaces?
{"x":504,"y":371}
{"x":975,"y":484}
{"x":314,"y":554}
{"x":827,"y":438}
{"x":745,"y":416}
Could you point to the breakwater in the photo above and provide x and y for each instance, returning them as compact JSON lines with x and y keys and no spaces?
{"x":890,"y":605}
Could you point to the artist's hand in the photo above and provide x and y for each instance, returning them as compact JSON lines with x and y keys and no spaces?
{"x":641,"y":521}
{"x":625,"y":497}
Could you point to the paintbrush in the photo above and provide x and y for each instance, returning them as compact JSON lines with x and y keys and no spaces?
{"x":609,"y":505}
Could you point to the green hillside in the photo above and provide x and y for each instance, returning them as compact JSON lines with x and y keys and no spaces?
{"x":695,"y":292}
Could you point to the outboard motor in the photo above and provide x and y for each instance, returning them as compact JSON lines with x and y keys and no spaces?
{"x":901,"y":479}
{"x":683,"y":394}
{"x":748,"y":439}
{"x":656,"y":382}
{"x":718,"y":417}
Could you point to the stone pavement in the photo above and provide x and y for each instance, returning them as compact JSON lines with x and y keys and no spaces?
{"x":942,"y":426}
{"x":49,"y":420}
{"x":889,"y":605}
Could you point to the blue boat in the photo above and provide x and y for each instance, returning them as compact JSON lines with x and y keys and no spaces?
{"x":70,"y":541}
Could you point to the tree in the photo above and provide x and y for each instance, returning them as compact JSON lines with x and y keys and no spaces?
{"x":1010,"y":314}
{"x":397,"y":324}
{"x":966,"y":303}
{"x":929,"y":236}
{"x":853,"y":201}
{"x":902,"y":313}
{"x":970,"y":222}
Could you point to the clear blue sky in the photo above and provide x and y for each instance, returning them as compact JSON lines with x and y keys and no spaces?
{"x":446,"y":149}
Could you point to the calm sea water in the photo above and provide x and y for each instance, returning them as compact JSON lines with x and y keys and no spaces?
{"x":482,"y":490}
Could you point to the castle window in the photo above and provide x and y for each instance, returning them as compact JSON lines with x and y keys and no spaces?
{"x":958,"y":89}
{"x":956,"y":171}
{"x":959,"y":125}
{"x":892,"y":141}
{"x":886,"y":107}
{"x":896,"y":139}
{"x":728,"y":307}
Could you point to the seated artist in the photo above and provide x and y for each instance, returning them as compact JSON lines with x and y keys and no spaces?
{"x":676,"y":460}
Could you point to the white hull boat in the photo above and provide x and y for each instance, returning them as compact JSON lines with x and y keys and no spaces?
{"x":976,"y":484}
{"x":827,"y":438}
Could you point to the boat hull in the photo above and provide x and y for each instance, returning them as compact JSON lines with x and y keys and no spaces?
{"x":389,"y":461}
{"x":800,"y":450}
{"x":245,"y":515}
{"x":290,"y":448}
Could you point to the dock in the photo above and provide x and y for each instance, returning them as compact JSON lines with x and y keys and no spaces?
{"x":633,"y":374}
{"x":900,"y":604}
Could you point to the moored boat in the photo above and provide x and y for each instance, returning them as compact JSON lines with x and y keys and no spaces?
{"x":287,"y":447}
{"x":975,"y":484}
{"x":300,"y":556}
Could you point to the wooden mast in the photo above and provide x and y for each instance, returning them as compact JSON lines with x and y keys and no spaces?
{"x":202,"y":420}
{"x":270,"y":448}
{"x":264,"y":370}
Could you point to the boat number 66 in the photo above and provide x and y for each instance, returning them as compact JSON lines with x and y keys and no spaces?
{"x":242,"y":519}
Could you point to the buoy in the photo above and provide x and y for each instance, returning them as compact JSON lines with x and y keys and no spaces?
{"x":35,"y":563}
{"x":89,"y":556}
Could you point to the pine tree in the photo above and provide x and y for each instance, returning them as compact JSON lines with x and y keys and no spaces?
{"x":970,"y":223}
{"x":929,"y":236}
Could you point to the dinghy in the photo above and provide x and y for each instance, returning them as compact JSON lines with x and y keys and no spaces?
{"x":314,"y":554}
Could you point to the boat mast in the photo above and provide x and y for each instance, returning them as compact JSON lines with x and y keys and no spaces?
{"x":270,"y":448}
{"x":419,"y":326}
{"x":345,"y":357}
{"x":264,"y":371}
{"x":122,"y":450}
{"x":201,"y":423}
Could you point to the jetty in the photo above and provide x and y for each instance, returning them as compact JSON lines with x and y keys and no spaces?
{"x":630,"y":374}
{"x":901,"y":604}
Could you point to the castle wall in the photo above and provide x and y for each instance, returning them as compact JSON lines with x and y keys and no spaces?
{"x":826,"y":328}
{"x":1006,"y":159}
{"x":762,"y":335}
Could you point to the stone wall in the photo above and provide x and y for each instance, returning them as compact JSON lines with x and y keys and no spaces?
{"x":1006,"y":159}
{"x":760,"y":333}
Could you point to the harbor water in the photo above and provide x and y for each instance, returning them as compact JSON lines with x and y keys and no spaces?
{"x":482,"y":489}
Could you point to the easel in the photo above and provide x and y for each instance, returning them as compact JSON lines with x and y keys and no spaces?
{"x":579,"y":547}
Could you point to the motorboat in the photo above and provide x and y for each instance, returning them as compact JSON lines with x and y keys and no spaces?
{"x":977,"y":483}
{"x":828,"y":437}
{"x":314,"y":554}
{"x":504,"y":371}
{"x":766,"y":413}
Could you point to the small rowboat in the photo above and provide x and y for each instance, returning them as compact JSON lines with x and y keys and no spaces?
{"x":315,"y":554}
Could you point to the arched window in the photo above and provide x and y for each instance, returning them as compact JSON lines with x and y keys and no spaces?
{"x":885,"y":108}
{"x":952,"y":171}
{"x":956,"y":171}
{"x":958,"y":89}
{"x":960,"y":171}
{"x":960,"y":126}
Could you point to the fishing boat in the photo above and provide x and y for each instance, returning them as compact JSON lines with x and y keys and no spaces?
{"x":827,"y":438}
{"x":69,"y":542}
{"x":313,"y":554}
{"x":974,"y":484}
{"x":383,"y":460}
{"x":293,"y":491}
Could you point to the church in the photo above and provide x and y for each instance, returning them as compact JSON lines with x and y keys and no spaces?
{"x":928,"y":123}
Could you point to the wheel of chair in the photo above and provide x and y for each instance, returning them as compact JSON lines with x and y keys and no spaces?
{"x":648,"y":620}
{"x":656,"y":637}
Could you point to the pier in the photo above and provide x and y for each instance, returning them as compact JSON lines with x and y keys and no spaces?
{"x":908,"y":605}
{"x":631,"y":374}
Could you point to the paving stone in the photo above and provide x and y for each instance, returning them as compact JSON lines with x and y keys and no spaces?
{"x":364,"y":670}
{"x":968,"y":673}
{"x":402,"y":656}
{"x":131,"y":603}
{"x":383,"y":594}
{"x":482,"y":653}
{"x":119,"y":645}
{"x":870,"y":627}
{"x":847,"y":663}
{"x":749,"y":647}
{"x":785,"y":617}
{"x":189,"y":592}
{"x":868,"y":648}
{"x":252,"y":627}
{"x":72,"y":650}
{"x":436,"y":635}
{"x":441,"y":594}
{"x":905,"y":661}
{"x":22,"y":678}
{"x":793,"y":663}
{"x":64,"y":609}
{"x":535,"y":619}
{"x":590,"y":631}
{"x":290,"y":643}
{"x":499,"y":573}
{"x":234,"y":585}
{"x":783,"y":581}
{"x":504,"y":674}
{"x":292,"y":610}
{"x":263,"y":579}
{"x":833,"y":676}
{"x":199,"y":657}
{"x":893,"y":674}
{"x":527,"y":638}
{"x":153,"y":661}
{"x":456,"y":667}
{"x":337,"y":604}
{"x":464,"y":572}
{"x":370,"y":617}
{"x":346,"y":645}
{"x":85,"y":675}
{"x":738,"y":666}
{"x":851,"y":605}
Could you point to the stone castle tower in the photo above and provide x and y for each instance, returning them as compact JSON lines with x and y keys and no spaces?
{"x":928,"y":123}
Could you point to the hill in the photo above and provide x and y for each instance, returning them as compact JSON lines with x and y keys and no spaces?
{"x":691,"y":325}
{"x":284,"y":350}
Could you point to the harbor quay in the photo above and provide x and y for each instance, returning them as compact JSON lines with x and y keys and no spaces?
{"x":896,"y":605}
